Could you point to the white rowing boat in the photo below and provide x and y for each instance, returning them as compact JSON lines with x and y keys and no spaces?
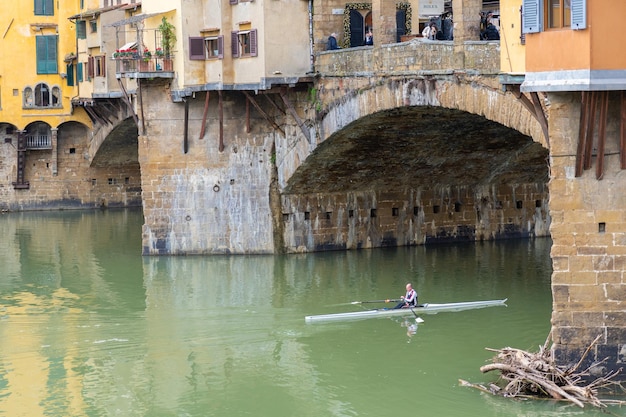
{"x":421,"y":309}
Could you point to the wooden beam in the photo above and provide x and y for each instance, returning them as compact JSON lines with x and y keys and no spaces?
{"x":604,"y":109}
{"x":204,"y":115}
{"x":622,"y":130}
{"x":582,"y":136}
{"x":541,"y":117}
{"x":186,"y":132}
{"x":273,"y":103}
{"x":591,"y":121}
{"x":263,"y":113}
{"x":220,"y":106}
{"x":294,"y":114}
{"x":128,"y":102}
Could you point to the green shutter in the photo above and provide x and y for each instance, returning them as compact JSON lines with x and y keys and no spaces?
{"x":81,"y":29}
{"x":44,"y":7}
{"x":47,"y":54}
{"x":70,"y":75}
{"x":79,"y":72}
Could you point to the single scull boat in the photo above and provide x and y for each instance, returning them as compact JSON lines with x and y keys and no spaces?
{"x":421,"y":309}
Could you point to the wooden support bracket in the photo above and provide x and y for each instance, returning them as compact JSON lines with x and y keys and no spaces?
{"x":263,"y":113}
{"x":294,"y":114}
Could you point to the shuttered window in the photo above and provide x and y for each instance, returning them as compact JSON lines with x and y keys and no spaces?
{"x":90,"y":67}
{"x":79,"y":72}
{"x":553,"y":14}
{"x":47,"y":54}
{"x":531,"y":16}
{"x":44,"y":7}
{"x":196,"y":48}
{"x":81,"y":29}
{"x":214,"y":47}
{"x":244,"y":43}
{"x":579,"y":14}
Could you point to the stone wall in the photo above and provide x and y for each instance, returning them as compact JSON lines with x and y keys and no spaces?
{"x":76,"y":184}
{"x":410,"y":57}
{"x":589,"y":241}
{"x":355,"y":220}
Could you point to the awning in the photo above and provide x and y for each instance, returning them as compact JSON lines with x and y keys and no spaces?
{"x":137,"y":18}
{"x":127,"y":46}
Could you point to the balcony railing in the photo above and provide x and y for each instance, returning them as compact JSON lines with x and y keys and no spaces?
{"x":38,"y":142}
{"x":136,"y":64}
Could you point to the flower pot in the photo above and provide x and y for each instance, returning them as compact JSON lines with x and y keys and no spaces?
{"x":167,"y":64}
{"x":146,"y":66}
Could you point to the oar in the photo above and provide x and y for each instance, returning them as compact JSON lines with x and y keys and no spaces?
{"x":418,"y":319}
{"x":376,"y":301}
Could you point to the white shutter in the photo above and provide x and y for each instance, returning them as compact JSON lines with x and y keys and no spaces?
{"x":579,"y":14}
{"x":531,"y":16}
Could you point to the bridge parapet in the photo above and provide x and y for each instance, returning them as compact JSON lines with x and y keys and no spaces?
{"x":413,"y":57}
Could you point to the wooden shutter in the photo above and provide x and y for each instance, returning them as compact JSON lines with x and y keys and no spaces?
{"x":44,"y":7}
{"x":531,"y":16}
{"x":69,"y":70}
{"x":220,"y":46}
{"x":234,"y":44}
{"x":579,"y":14}
{"x":79,"y":72}
{"x":81,"y":29}
{"x":196,"y":48}
{"x":254,"y":48}
{"x":90,"y":67}
{"x":46,"y":49}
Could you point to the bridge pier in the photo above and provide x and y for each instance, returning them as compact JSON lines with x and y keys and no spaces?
{"x":589,"y":238}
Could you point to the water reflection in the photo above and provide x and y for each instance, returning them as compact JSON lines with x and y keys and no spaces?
{"x":90,"y":328}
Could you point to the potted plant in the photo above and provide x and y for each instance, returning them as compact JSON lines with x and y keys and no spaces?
{"x":168,"y":40}
{"x":146,"y":61}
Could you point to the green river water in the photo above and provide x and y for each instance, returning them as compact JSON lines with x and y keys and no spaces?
{"x":89,"y":327}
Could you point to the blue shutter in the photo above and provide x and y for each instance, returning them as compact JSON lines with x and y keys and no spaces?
{"x":79,"y":72}
{"x":531,"y":16}
{"x":46,"y":48}
{"x":579,"y":14}
{"x":44,"y":7}
{"x":81,"y":29}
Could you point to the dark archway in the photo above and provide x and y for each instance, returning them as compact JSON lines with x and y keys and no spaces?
{"x":357,"y":28}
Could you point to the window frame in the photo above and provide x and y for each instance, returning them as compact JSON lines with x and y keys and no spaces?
{"x":238,"y":43}
{"x":210,"y":49}
{"x":42,"y":96}
{"x":557,"y":19}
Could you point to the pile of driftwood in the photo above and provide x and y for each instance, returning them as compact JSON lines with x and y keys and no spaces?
{"x":535,"y":375}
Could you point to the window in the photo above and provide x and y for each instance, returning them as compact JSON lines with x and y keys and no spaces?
{"x":558,"y":14}
{"x":44,"y":7}
{"x":244,"y":43}
{"x":553,"y":14}
{"x":81,"y":29}
{"x":100,"y":66}
{"x":42,"y":96}
{"x":46,"y":54}
{"x":79,"y":72}
{"x":215,"y":47}
{"x":93,"y":26}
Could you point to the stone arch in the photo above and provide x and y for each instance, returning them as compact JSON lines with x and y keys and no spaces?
{"x":473,"y":97}
{"x":106,"y":144}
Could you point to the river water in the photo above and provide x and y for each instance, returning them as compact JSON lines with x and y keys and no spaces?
{"x":89,"y":327}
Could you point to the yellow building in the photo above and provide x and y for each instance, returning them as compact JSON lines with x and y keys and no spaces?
{"x":36,"y":88}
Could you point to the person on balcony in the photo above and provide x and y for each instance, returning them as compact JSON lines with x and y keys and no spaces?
{"x":332,"y":42}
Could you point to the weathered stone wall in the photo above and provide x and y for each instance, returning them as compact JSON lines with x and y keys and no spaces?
{"x":356,"y":220}
{"x":207,"y":200}
{"x":589,"y":241}
{"x":76,"y":183}
{"x":411,"y":57}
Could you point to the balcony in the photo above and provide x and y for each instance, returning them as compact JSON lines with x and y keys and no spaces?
{"x":38,"y":142}
{"x":132,"y":65}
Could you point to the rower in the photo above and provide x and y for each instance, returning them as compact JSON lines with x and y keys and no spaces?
{"x":409,"y":300}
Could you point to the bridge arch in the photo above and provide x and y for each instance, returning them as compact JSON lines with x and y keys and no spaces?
{"x":412,"y":161}
{"x":344,"y":101}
